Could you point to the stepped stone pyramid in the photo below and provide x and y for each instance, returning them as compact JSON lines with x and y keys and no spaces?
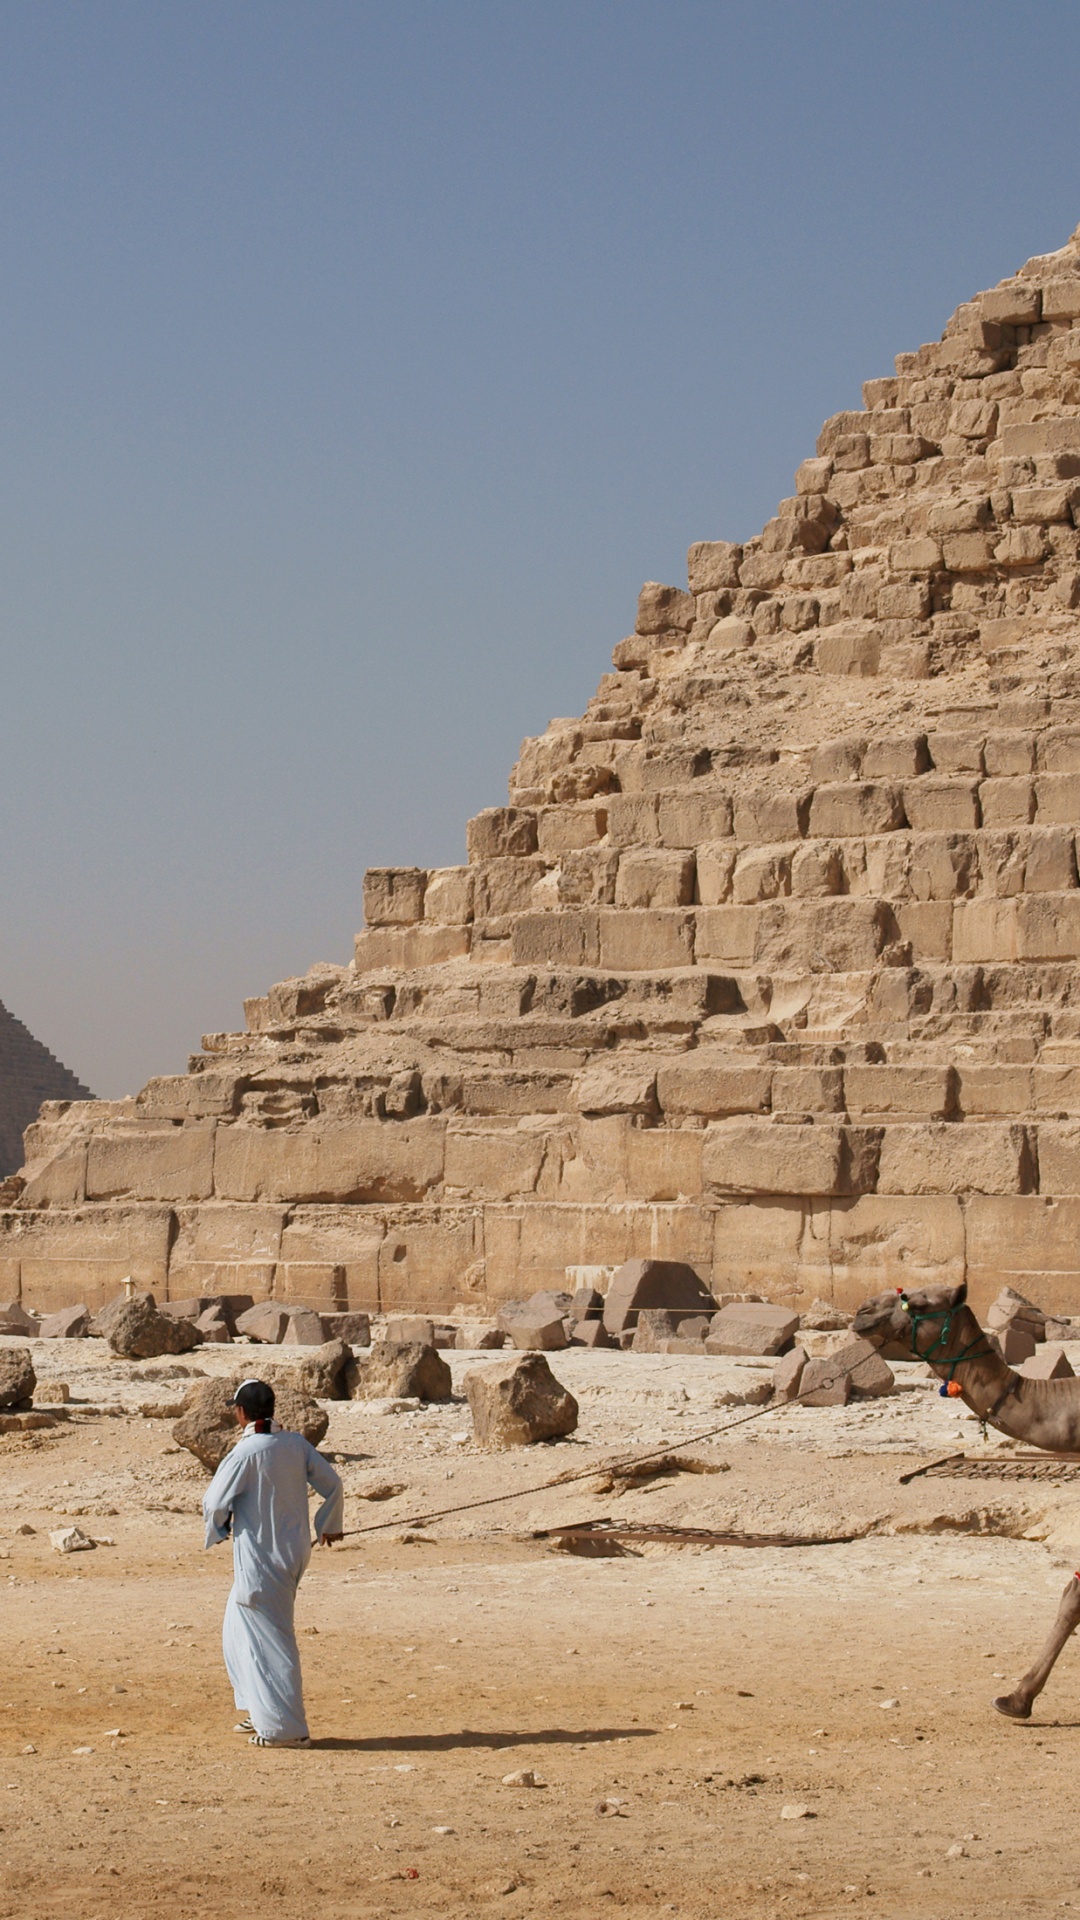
{"x":29,"y":1074}
{"x":771,"y":963}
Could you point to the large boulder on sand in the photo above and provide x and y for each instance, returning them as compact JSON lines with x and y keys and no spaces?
{"x":71,"y":1323}
{"x":17,"y":1376}
{"x":139,"y":1332}
{"x":410,"y":1371}
{"x":15,"y":1319}
{"x":207,"y":1424}
{"x":516,"y":1402}
{"x":321,"y":1374}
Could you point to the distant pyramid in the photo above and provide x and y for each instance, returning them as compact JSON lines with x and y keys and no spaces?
{"x":29,"y":1074}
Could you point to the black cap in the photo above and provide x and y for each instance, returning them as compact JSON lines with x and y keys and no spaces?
{"x":256,"y":1398}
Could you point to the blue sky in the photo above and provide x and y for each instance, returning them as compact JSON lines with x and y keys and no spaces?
{"x":358,"y":362}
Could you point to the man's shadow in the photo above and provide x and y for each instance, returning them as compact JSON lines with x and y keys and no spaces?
{"x":469,"y":1737}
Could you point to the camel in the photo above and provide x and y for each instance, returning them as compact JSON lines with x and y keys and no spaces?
{"x":938,"y":1326}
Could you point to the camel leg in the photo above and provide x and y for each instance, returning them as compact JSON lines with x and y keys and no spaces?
{"x":1017,"y":1705}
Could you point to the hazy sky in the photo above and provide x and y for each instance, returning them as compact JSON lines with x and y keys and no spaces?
{"x":358,"y":362}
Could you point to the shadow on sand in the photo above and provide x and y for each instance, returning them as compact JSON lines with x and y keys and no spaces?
{"x":467,"y":1737}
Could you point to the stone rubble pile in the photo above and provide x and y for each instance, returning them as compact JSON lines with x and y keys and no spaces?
{"x":769,"y":966}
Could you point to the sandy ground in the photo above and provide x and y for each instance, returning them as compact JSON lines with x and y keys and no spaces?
{"x":692,"y":1693}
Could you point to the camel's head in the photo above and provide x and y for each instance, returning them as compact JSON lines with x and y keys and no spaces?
{"x":887,"y":1316}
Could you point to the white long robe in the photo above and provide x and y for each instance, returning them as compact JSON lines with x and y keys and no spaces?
{"x":260,"y":1491}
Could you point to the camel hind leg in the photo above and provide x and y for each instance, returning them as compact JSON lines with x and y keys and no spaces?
{"x":1017,"y":1705}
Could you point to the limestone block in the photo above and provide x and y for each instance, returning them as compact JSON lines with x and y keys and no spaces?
{"x":511,"y":1093}
{"x":989,"y":1090}
{"x":943,"y":1157}
{"x":889,"y":1090}
{"x":943,"y":865}
{"x":1050,"y":866}
{"x":195,"y":1096}
{"x":746,"y":1327}
{"x":664,"y":1163}
{"x":901,"y":757}
{"x":670,"y":1284}
{"x":843,"y":935}
{"x":887,"y":1240}
{"x":1021,"y":440}
{"x":660,"y":609}
{"x":303,"y":1328}
{"x":837,"y":760}
{"x":966,"y":552}
{"x":730,"y":636}
{"x":515,"y":1403}
{"x":984,"y":930}
{"x":765,"y":813}
{"x":394,"y":896}
{"x":960,"y":514}
{"x":495,"y":1165}
{"x":1044,"y":506}
{"x":139,"y":1332}
{"x":316,"y":1283}
{"x":935,"y":804}
{"x":1059,"y":1156}
{"x":1009,"y":753}
{"x":499,"y":831}
{"x":505,"y":887}
{"x":587,"y":878}
{"x":410,"y":1370}
{"x":748,"y":1156}
{"x":712,"y":564}
{"x":649,"y":769}
{"x":641,"y":941}
{"x":565,"y":829}
{"x":1051,"y":1364}
{"x":824,"y":1384}
{"x":1048,"y":926}
{"x":562,"y":939}
{"x":859,"y":1363}
{"x":654,"y":877}
{"x":383,"y":948}
{"x":855,"y":807}
{"x":617,"y":1085}
{"x":1057,"y":797}
{"x":265,"y":1322}
{"x":1061,"y":298}
{"x":715,"y":873}
{"x":1007,"y":801}
{"x":1018,"y":305}
{"x":688,"y":819}
{"x":432,"y":1257}
{"x":448,"y":896}
{"x":816,"y":870}
{"x":763,"y":873}
{"x":698,"y":1083}
{"x":925,"y":926}
{"x":727,"y":934}
{"x":363,"y":1161}
{"x":787,"y":1375}
{"x":1021,"y":547}
{"x":171,"y":1163}
{"x":1059,"y":750}
{"x":59,"y":1181}
{"x":633,"y":819}
{"x":850,"y":647}
{"x":956,"y":752}
{"x":807,"y":1089}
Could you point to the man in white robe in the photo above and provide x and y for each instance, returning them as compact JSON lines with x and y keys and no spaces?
{"x":260,"y":1494}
